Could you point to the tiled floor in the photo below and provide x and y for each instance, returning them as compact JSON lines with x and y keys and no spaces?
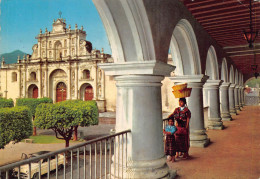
{"x":234,"y":153}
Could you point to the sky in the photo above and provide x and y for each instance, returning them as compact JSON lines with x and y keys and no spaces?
{"x":21,"y":21}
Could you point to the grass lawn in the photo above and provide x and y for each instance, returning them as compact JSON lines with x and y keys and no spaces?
{"x":48,"y":139}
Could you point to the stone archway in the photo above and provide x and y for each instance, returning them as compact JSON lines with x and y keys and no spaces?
{"x":212,"y":64}
{"x":184,"y":49}
{"x":33,"y":91}
{"x":224,"y":70}
{"x":61,"y":92}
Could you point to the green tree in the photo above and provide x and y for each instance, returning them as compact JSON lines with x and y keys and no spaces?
{"x":15,"y":124}
{"x":32,"y":104}
{"x":63,"y":117}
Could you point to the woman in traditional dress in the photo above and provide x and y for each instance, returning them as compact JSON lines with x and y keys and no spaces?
{"x":182,"y":117}
{"x":170,"y":148}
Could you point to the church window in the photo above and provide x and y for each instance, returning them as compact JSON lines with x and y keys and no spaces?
{"x":33,"y":76}
{"x":86,"y":74}
{"x":14,"y":76}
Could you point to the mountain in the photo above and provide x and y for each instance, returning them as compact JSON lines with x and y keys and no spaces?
{"x":12,"y":56}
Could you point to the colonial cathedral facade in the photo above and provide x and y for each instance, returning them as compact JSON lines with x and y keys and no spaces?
{"x":63,"y":66}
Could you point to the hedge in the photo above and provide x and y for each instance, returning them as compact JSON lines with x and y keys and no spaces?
{"x":32,"y":103}
{"x":4,"y":103}
{"x":15,"y":124}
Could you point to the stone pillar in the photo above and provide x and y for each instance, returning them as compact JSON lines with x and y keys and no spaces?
{"x":46,"y":82}
{"x":95,"y":87}
{"x":69,"y":82}
{"x":103,"y":85}
{"x":205,"y":97}
{"x":19,"y":81}
{"x":40,"y":81}
{"x":225,"y":114}
{"x":139,"y":108}
{"x":76,"y":80}
{"x":236,"y":98}
{"x":231,"y":97}
{"x":243,"y":96}
{"x":240,"y":97}
{"x":214,"y":118}
{"x":24,"y":82}
{"x":198,"y":136}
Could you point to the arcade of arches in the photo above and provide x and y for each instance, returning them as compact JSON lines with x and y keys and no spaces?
{"x":141,"y":33}
{"x":141,"y":63}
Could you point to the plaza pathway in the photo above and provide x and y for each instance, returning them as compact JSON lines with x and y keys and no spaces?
{"x":234,"y":153}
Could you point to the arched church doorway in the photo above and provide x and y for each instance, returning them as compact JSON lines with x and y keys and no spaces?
{"x":88,"y":93}
{"x":33,"y":91}
{"x":61,"y":93}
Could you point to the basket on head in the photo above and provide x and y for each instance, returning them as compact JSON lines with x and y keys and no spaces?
{"x":179,"y":87}
{"x":182,"y":93}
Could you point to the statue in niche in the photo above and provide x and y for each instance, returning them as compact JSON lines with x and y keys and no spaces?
{"x":99,"y":91}
{"x":73,"y":90}
{"x":99,"y":75}
{"x":73,"y":75}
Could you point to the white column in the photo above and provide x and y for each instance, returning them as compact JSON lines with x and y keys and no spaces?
{"x":95,"y":86}
{"x":214,"y":118}
{"x":69,"y":82}
{"x":231,"y":96}
{"x":198,"y":136}
{"x":40,"y":81}
{"x":76,"y":80}
{"x":225,"y":114}
{"x":236,"y":98}
{"x":240,"y":97}
{"x":139,"y":108}
{"x":243,"y":96}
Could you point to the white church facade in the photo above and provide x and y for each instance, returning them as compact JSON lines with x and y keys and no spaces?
{"x":63,"y":66}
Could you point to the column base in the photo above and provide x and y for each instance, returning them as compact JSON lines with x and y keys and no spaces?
{"x":237,"y":108}
{"x":226,"y":116}
{"x":199,"y":138}
{"x":233,"y":111}
{"x":143,"y":169}
{"x":215,"y":123}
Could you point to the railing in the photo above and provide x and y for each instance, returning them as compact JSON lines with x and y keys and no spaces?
{"x":89,"y":160}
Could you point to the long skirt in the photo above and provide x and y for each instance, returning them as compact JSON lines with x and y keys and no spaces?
{"x":182,"y":142}
{"x":170,"y":147}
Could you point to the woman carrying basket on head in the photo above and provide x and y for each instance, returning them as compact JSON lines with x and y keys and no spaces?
{"x":182,"y":117}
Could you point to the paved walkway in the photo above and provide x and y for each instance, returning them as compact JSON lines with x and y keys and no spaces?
{"x":234,"y":153}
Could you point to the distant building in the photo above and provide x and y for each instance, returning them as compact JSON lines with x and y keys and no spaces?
{"x":63,"y":66}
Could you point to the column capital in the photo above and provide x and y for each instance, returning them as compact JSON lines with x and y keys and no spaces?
{"x":137,"y":68}
{"x":232,"y":85}
{"x":213,"y":84}
{"x":237,"y":86}
{"x":190,"y":79}
{"x":138,"y":80}
{"x":225,"y":85}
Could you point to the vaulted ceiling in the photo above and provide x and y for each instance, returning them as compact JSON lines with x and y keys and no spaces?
{"x":225,"y":21}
